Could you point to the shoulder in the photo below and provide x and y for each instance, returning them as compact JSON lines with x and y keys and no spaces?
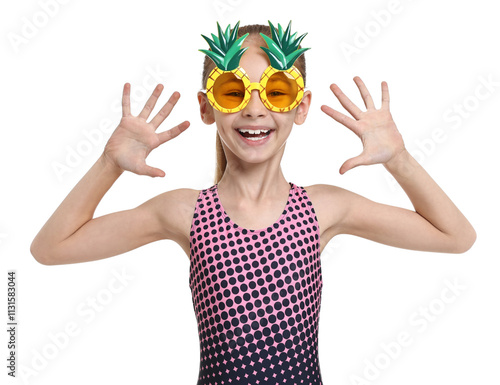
{"x":322,"y":194}
{"x":331,"y":205}
{"x":182,"y":198}
{"x":181,"y":195}
{"x":174,"y":210}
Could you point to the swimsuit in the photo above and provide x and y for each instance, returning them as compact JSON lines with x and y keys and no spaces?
{"x":256,"y":294}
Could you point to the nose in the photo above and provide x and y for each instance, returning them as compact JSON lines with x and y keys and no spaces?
{"x":255,"y":107}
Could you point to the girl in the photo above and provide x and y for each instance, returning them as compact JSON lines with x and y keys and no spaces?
{"x":254,"y":240}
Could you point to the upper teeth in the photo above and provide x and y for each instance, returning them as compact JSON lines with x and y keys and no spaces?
{"x":255,"y":132}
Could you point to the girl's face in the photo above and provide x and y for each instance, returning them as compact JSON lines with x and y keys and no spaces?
{"x":255,"y":115}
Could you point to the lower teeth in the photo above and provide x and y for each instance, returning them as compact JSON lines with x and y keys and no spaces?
{"x":262,"y":137}
{"x":256,"y":137}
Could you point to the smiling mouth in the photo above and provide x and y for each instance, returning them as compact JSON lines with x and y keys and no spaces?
{"x":256,"y":134}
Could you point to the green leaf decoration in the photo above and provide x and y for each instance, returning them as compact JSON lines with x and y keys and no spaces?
{"x":282,"y":48}
{"x":222,"y":38}
{"x":235,"y":60}
{"x":225,"y":49}
{"x":275,"y":61}
{"x":274,"y":34}
{"x":294,"y":55}
{"x":216,"y":39}
{"x":213,"y":46}
{"x":217,"y":59}
{"x":296,"y":42}
{"x":275,"y":49}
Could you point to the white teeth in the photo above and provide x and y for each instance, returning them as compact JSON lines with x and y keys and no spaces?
{"x":255,"y":132}
{"x":256,"y":138}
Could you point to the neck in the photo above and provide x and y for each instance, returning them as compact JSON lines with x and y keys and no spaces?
{"x":254,"y":181}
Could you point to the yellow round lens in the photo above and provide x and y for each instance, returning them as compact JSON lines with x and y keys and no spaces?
{"x":229,"y":90}
{"x":281,"y":89}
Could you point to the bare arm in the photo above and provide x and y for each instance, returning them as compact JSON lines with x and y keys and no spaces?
{"x":71,"y":234}
{"x":112,"y":234}
{"x":437,"y":222}
{"x":76,"y":209}
{"x":435,"y":225}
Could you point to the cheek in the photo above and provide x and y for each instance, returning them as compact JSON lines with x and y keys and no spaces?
{"x":224,"y":122}
{"x":285,"y":120}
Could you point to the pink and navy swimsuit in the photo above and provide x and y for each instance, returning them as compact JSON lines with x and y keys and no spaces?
{"x":256,"y":294}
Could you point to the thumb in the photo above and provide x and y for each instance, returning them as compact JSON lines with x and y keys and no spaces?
{"x":349,"y":164}
{"x":144,"y":169}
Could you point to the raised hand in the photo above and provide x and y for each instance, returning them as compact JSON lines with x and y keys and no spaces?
{"x":376,"y":128}
{"x":134,"y":138}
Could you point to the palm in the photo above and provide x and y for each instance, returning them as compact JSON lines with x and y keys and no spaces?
{"x":135,"y":138}
{"x":131,"y":143}
{"x":376,"y":128}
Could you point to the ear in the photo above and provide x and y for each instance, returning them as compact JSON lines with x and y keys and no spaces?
{"x":303,"y":108}
{"x":206,"y":110}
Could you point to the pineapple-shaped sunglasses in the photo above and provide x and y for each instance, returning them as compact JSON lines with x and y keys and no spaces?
{"x":281,"y":86}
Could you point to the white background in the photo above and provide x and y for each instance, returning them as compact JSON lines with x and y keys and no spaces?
{"x":65,"y":79}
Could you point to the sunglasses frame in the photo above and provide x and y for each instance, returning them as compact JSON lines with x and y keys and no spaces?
{"x":249,"y":87}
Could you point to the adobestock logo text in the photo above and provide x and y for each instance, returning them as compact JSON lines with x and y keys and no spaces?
{"x":31,"y":26}
{"x":95,"y":137}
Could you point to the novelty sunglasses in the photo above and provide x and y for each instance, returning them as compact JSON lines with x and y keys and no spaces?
{"x":279,"y":91}
{"x":281,"y":86}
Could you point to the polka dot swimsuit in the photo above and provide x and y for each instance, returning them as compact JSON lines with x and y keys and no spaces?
{"x":256,"y":294}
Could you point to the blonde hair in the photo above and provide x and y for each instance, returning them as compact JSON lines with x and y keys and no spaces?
{"x":253,"y":30}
